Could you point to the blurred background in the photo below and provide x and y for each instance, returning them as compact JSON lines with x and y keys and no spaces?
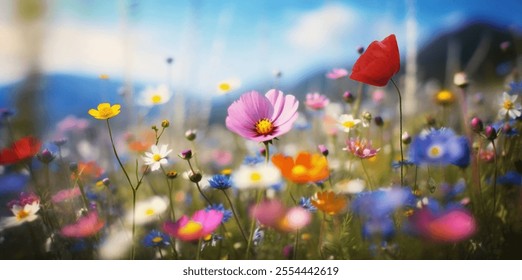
{"x":62,"y":57}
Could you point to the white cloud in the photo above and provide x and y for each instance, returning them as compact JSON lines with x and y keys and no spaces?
{"x":327,"y":26}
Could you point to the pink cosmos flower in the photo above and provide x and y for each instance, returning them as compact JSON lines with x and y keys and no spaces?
{"x":360,"y":148}
{"x":316,"y":101}
{"x":451,"y":226}
{"x":85,"y":226}
{"x":262,"y":118}
{"x":66,"y":195}
{"x":201,"y":224}
{"x":337,"y":73}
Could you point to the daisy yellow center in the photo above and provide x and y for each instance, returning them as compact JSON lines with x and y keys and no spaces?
{"x":224,"y":86}
{"x":299,"y":170}
{"x":349,"y":124}
{"x":435,"y":151}
{"x":508,"y":105}
{"x":190,"y":228}
{"x":156,"y":157}
{"x":264,"y":127}
{"x":156,"y":98}
{"x":21,"y":215}
{"x":445,"y":96}
{"x":149,"y":212}
{"x":255,"y":177}
{"x":157,"y":239}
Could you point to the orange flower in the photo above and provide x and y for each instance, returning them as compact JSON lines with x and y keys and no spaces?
{"x":88,"y":171}
{"x":306,"y":167}
{"x":329,"y":202}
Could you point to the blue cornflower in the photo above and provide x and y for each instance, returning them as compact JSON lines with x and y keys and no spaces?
{"x":220,"y":182}
{"x":307,"y":204}
{"x":378,"y":226}
{"x":516,"y":87}
{"x":382,"y":202}
{"x":156,"y":238}
{"x":510,"y":178}
{"x":406,"y":162}
{"x":440,"y":146}
{"x":13,"y":183}
{"x":227,"y":214}
{"x":259,"y":236}
{"x":253,"y":160}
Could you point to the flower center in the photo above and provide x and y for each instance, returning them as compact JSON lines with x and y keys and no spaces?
{"x":190,"y":228}
{"x":149,"y":212}
{"x":224,"y":86}
{"x":299,"y":170}
{"x":157,"y":239}
{"x":445,"y":96}
{"x":255,"y":177}
{"x":435,"y":151}
{"x":349,"y":124}
{"x":156,"y":98}
{"x":508,"y":105}
{"x":156,"y":157}
{"x":105,"y":112}
{"x":21,"y":215}
{"x":264,"y":127}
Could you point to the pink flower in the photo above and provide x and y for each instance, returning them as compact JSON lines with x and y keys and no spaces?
{"x":360,"y":148}
{"x":262,"y":118}
{"x":201,"y":224}
{"x":452,"y":226}
{"x":272,"y":213}
{"x":316,"y":101}
{"x":66,"y":195}
{"x":337,"y":73}
{"x":84,"y":227}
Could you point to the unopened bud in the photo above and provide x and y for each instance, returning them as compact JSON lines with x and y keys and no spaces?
{"x":477,"y":125}
{"x":165,"y":123}
{"x":45,"y":156}
{"x":406,"y":138}
{"x":367,"y":116}
{"x":186,"y":154}
{"x":490,"y":132}
{"x":195,"y":177}
{"x":378,"y":121}
{"x":360,"y":50}
{"x":323,"y":150}
{"x":190,"y":134}
{"x":172,"y":174}
{"x":348,"y":97}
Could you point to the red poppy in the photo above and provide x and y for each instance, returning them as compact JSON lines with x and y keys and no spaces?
{"x":378,"y":63}
{"x":22,"y":149}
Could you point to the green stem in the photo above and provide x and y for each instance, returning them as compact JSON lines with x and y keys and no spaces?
{"x":358,"y":100}
{"x":252,"y":227}
{"x":370,"y":184}
{"x":267,"y":151}
{"x":197,"y":184}
{"x":400,"y":131}
{"x":495,"y":174}
{"x":296,"y":244}
{"x":235,"y":216}
{"x":160,"y":253}
{"x":133,"y":254}
{"x":116,"y":154}
{"x":82,"y":191}
{"x":198,"y":254}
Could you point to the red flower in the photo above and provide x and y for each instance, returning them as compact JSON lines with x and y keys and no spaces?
{"x":22,"y":149}
{"x":378,"y":63}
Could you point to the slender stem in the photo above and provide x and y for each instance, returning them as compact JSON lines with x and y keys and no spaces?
{"x":358,"y":100}
{"x":495,"y":174}
{"x":198,"y":254}
{"x":235,"y":216}
{"x":400,"y":131}
{"x":82,"y":191}
{"x":197,"y":184}
{"x":370,"y":184}
{"x":267,"y":151}
{"x":160,"y":253}
{"x":252,"y":227}
{"x":171,"y":202}
{"x":116,"y":154}
{"x":296,"y":244}
{"x":133,"y":254}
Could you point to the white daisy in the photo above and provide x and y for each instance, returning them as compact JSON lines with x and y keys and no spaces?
{"x":156,"y":157}
{"x":154,"y":96}
{"x":149,"y":210}
{"x":257,"y":176}
{"x":228,"y":85}
{"x":22,"y":214}
{"x":347,"y":122}
{"x":508,"y":106}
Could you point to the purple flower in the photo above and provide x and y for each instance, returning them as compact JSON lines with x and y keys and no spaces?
{"x":262,"y":118}
{"x":316,"y":101}
{"x":337,"y":73}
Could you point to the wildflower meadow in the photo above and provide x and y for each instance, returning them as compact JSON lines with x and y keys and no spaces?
{"x":355,"y":167}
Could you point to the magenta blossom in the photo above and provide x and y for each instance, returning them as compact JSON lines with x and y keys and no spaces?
{"x":360,"y":148}
{"x":316,"y":101}
{"x":262,"y":118}
{"x":201,"y":224}
{"x":86,"y":226}
{"x":337,"y":73}
{"x":66,"y":195}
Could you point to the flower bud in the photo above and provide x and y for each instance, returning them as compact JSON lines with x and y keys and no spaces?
{"x":45,"y":156}
{"x":165,"y":123}
{"x":360,"y":49}
{"x":431,"y":121}
{"x":367,"y":116}
{"x":460,"y":79}
{"x":169,"y":60}
{"x":507,"y":128}
{"x":106,"y":182}
{"x":490,"y":132}
{"x":154,"y":128}
{"x":195,"y":177}
{"x":186,"y":154}
{"x":378,"y":121}
{"x":323,"y":150}
{"x":406,"y":138}
{"x":190,"y":134}
{"x":172,"y":174}
{"x":348,"y":97}
{"x":477,"y":125}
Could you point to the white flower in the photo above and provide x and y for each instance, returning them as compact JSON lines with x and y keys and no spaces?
{"x":228,"y":85}
{"x":508,"y":106}
{"x":154,"y":96}
{"x":258,"y":176}
{"x":116,"y":244}
{"x":347,"y":122}
{"x":22,"y":214}
{"x":157,"y":157}
{"x":148,"y":210}
{"x":350,"y":186}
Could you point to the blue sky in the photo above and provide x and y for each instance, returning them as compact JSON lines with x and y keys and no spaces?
{"x":216,"y":40}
